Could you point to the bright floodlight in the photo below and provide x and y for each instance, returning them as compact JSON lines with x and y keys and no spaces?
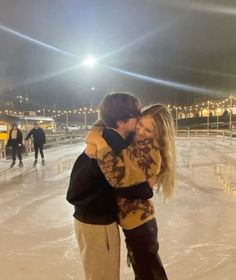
{"x":89,"y":61}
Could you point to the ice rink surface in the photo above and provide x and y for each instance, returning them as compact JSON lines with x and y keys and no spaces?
{"x":197,"y":228}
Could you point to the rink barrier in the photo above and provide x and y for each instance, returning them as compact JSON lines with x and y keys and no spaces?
{"x":205,"y":132}
{"x":51,"y":141}
{"x":2,"y":149}
{"x":71,"y":138}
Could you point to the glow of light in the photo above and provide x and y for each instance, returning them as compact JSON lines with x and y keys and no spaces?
{"x":139,"y":39}
{"x":89,"y":61}
{"x":34,"y":41}
{"x":203,"y":7}
{"x":208,"y":72}
{"x":51,"y":75}
{"x":166,"y":83}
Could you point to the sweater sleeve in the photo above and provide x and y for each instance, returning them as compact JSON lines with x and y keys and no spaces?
{"x":136,"y":164}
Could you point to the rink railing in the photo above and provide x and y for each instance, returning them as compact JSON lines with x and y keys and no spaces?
{"x":206,"y":133}
{"x":70,"y":138}
{"x":52,"y":141}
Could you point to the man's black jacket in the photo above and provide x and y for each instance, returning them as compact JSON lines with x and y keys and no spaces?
{"x":38,"y":136}
{"x":91,"y":194}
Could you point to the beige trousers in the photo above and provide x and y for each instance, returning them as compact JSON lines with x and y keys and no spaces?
{"x":99,"y":249}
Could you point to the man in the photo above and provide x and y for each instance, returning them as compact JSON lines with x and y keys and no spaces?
{"x":39,"y":140}
{"x":94,"y":199}
{"x":15,"y":141}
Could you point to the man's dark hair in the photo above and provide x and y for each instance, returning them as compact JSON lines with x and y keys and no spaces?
{"x":118,"y":106}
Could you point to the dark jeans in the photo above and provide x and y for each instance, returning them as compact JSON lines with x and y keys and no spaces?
{"x":38,"y":148}
{"x":16,"y":150}
{"x":143,"y":246}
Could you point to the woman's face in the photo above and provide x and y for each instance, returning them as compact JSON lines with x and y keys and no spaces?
{"x":145,"y":128}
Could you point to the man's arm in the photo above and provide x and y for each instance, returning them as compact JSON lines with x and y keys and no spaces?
{"x":29,"y":134}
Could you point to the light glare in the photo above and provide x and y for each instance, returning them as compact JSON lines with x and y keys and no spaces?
{"x":89,"y":61}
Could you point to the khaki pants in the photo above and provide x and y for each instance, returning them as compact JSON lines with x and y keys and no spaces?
{"x":100,"y":250}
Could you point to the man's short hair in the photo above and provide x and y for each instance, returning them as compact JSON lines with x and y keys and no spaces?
{"x":118,"y":106}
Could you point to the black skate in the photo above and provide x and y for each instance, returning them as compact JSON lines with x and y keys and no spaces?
{"x":12,"y":164}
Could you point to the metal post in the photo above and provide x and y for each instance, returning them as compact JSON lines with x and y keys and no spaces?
{"x":176,"y":118}
{"x":230,"y":114}
{"x":85,"y":118}
{"x":208,"y":117}
{"x":67,"y":121}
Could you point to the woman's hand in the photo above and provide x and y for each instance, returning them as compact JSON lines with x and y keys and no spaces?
{"x":152,"y":181}
{"x":91,"y":150}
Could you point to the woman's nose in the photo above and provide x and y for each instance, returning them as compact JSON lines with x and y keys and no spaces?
{"x":140,"y":132}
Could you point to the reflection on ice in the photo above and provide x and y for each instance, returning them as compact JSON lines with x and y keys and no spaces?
{"x":196,"y":229}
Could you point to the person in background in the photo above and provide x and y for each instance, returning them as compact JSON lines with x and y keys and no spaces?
{"x":15,"y":142}
{"x":39,"y":140}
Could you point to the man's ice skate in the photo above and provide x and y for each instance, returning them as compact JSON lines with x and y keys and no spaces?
{"x":35,"y":162}
{"x":20,"y":164}
{"x":43,"y":162}
{"x":12,"y":164}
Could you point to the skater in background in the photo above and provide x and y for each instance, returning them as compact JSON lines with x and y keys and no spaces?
{"x":15,"y":142}
{"x":39,"y":140}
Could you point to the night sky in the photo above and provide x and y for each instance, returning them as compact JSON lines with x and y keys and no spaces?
{"x":184,"y":42}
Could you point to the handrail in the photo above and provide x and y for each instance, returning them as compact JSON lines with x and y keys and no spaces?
{"x":70,"y":138}
{"x":206,"y":132}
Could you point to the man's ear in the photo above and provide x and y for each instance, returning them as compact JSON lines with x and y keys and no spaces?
{"x":120,"y":124}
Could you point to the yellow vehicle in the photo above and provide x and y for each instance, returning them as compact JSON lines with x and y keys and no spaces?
{"x":3,"y":131}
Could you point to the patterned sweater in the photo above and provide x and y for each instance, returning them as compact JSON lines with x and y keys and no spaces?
{"x":136,"y":164}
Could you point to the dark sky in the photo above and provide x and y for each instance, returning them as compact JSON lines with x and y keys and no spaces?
{"x":187,"y":42}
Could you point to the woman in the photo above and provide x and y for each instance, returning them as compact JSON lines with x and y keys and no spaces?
{"x":151,"y":157}
{"x":15,"y":142}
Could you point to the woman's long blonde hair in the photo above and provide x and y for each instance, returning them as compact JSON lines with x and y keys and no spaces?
{"x":166,"y":139}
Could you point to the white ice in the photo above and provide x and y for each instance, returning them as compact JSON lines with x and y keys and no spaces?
{"x":197,"y":228}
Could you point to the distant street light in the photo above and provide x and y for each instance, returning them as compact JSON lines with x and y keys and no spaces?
{"x":208,"y":117}
{"x":230,"y":115}
{"x":85,"y":117}
{"x":176,"y":118}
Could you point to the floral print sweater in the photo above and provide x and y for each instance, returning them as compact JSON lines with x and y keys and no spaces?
{"x":136,"y":164}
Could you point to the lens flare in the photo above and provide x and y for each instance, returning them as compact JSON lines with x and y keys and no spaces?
{"x":166,"y":83}
{"x":34,"y":41}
